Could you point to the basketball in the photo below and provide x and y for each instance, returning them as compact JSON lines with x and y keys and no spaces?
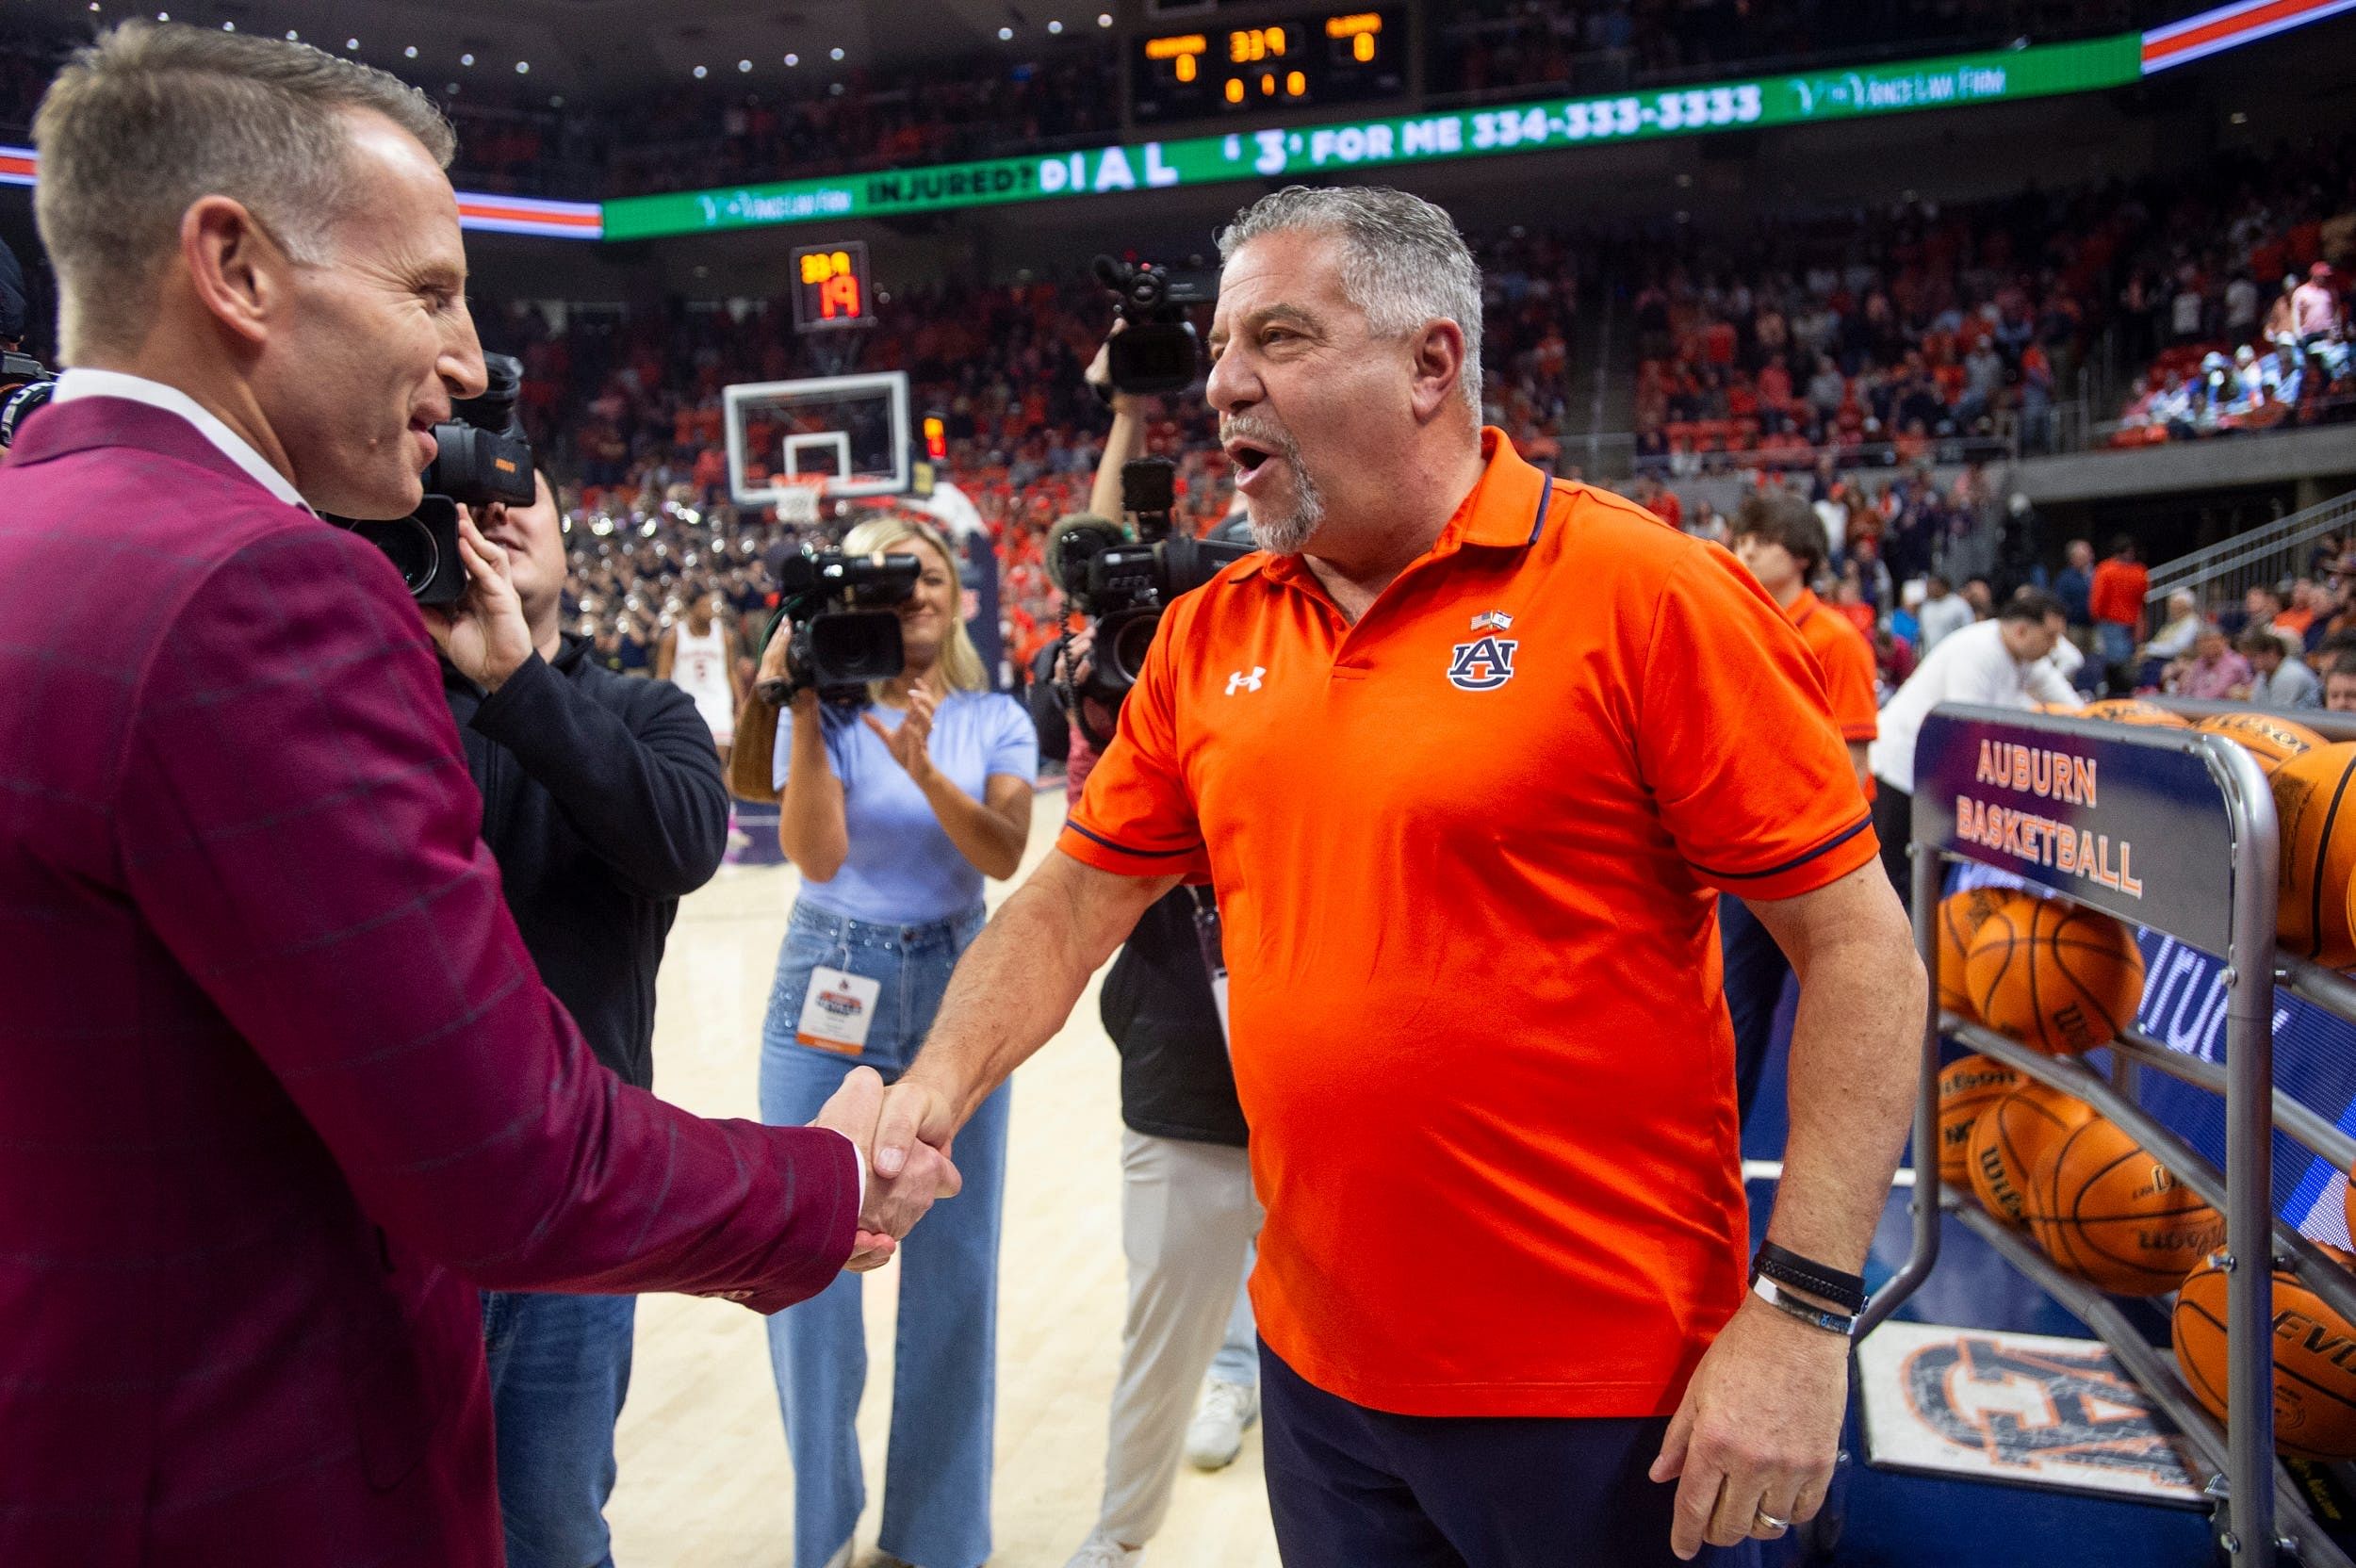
{"x":2272,"y":740}
{"x":2008,"y":1142}
{"x":2133,"y":710}
{"x":1966,"y":1086}
{"x":2110,"y":1213}
{"x":2053,"y":975}
{"x":2314,"y":1360}
{"x":2318,"y":828}
{"x":1960,"y":919}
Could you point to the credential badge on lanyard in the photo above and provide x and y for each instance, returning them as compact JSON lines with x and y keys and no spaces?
{"x":838,"y":1010}
{"x":1208,"y":933}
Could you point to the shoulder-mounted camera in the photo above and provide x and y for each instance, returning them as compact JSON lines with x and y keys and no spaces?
{"x":1158,"y":350}
{"x":481,"y":456}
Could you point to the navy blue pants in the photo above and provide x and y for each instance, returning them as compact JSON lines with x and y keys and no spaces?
{"x":1756,"y":971}
{"x":1356,"y":1488}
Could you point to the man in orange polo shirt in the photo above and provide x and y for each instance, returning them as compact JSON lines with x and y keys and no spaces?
{"x":1466,"y":753}
{"x":1782,"y":540}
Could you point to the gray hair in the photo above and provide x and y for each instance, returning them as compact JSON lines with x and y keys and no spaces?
{"x":1403,"y":263}
{"x":151,"y":119}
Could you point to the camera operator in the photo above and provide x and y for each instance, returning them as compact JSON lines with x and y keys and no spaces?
{"x":894,"y":813}
{"x":603,"y":804}
{"x":281,"y":1090}
{"x":1187,"y":1212}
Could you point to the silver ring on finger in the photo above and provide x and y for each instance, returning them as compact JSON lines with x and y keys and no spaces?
{"x":1768,"y":1521}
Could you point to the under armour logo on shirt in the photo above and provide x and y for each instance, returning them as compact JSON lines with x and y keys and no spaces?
{"x":1242,"y":683}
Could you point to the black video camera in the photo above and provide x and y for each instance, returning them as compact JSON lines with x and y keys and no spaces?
{"x":25,"y":385}
{"x":846,"y":629}
{"x":481,"y":456}
{"x":1123,"y":581}
{"x":1156,"y":352}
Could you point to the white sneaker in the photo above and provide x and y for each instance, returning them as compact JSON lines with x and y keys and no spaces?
{"x":1101,"y":1551}
{"x":1214,"y":1437}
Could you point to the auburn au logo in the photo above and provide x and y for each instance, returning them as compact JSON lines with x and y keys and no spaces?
{"x":1483,"y":665}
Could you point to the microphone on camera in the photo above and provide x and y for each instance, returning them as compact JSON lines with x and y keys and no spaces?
{"x":1072,"y":541}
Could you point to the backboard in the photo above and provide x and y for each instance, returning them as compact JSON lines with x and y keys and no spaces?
{"x":852,"y":429}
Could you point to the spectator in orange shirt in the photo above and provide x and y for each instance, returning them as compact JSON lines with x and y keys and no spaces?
{"x":1779,"y":537}
{"x":1465,"y":751}
{"x":2116,"y":602}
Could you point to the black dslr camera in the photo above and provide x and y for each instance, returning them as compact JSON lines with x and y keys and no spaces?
{"x":846,"y":629}
{"x":25,"y":385}
{"x":1156,"y":352}
{"x":1123,"y":581}
{"x":481,"y":456}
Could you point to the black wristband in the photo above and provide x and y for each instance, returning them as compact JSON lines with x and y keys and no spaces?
{"x":1846,"y":1291}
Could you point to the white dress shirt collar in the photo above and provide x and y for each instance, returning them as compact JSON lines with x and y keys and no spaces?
{"x":155,"y":394}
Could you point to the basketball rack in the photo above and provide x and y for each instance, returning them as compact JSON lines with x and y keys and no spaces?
{"x":2202,"y":800}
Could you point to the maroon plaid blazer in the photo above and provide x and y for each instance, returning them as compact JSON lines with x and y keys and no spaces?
{"x":279,"y":1086}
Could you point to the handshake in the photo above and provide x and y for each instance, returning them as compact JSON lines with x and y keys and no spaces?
{"x":903,"y":1135}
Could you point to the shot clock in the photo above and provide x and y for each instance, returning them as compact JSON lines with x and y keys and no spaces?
{"x":1313,"y":58}
{"x":831,"y":286}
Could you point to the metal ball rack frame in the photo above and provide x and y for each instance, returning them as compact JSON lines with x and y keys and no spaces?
{"x":2202,"y":800}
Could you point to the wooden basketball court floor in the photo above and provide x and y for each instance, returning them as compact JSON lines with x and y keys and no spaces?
{"x":705,"y":1481}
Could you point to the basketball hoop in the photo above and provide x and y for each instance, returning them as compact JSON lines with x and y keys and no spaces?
{"x":798,"y":495}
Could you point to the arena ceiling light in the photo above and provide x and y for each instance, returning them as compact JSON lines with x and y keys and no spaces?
{"x":701,"y":73}
{"x":410,"y":52}
{"x":1006,"y":35}
{"x":793,"y":60}
{"x":466,"y":59}
{"x":743,"y":65}
{"x":1103,"y":19}
{"x":1054,"y":26}
{"x":523,"y":67}
{"x":834,"y":54}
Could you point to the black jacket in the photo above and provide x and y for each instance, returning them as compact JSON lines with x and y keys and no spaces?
{"x":1176,"y":1081}
{"x":603,"y":803}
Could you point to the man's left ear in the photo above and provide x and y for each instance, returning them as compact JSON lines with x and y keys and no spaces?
{"x":1437,"y":358}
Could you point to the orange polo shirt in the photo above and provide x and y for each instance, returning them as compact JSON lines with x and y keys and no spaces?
{"x":1844,"y":658}
{"x":1464,"y":853}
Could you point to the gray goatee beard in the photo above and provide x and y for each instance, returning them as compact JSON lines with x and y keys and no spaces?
{"x":1290,"y":533}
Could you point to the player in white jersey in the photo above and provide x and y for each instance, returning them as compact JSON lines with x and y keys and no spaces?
{"x":698,"y":656}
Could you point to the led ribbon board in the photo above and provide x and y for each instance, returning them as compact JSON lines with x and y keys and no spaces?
{"x":1306,"y":151}
{"x":492,"y":214}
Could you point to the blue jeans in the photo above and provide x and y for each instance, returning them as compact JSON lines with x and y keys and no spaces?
{"x":2114,"y":643}
{"x":560,"y":1368}
{"x":1238,"y":1358}
{"x":938,"y":1468}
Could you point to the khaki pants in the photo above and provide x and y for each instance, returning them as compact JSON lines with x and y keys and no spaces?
{"x":1188,"y":1221}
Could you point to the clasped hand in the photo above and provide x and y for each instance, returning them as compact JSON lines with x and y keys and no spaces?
{"x":897,"y":1196}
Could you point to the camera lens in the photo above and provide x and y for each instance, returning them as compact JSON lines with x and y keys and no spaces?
{"x":1130,"y":637}
{"x":410,"y":545}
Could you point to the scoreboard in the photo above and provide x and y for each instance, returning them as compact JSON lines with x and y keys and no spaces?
{"x":1313,"y":57}
{"x":830,"y":287}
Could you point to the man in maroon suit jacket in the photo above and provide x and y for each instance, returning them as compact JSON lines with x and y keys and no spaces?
{"x":279,"y":1086}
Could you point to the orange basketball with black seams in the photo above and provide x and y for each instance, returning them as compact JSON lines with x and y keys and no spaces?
{"x":2315,"y":1359}
{"x":2315,"y":803}
{"x":2133,"y":710}
{"x":2053,"y":975}
{"x":2272,"y":740}
{"x":1960,"y":916}
{"x":2009,"y":1139}
{"x":2103,"y":1209}
{"x":1967,"y":1087}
